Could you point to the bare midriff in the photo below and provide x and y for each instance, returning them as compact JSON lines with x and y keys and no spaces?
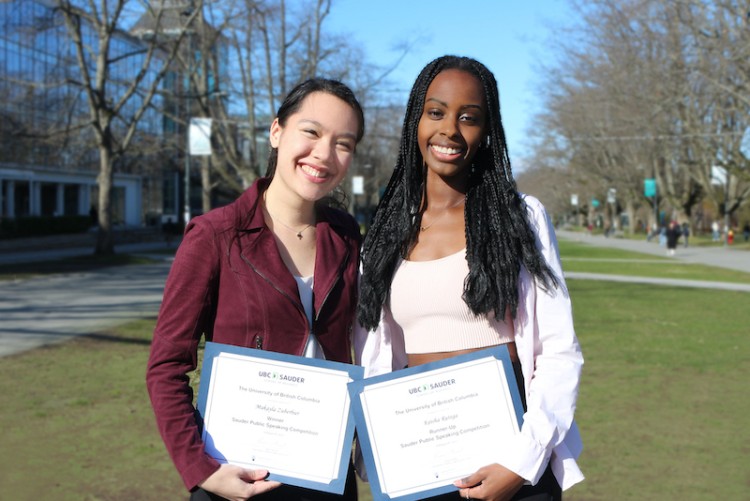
{"x":423,"y":358}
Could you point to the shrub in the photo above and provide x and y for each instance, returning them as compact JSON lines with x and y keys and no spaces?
{"x":31,"y":226}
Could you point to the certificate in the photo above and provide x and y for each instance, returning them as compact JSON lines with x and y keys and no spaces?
{"x":289,"y":415}
{"x":424,"y":427}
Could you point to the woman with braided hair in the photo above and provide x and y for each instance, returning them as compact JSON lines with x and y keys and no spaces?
{"x":458,"y":260}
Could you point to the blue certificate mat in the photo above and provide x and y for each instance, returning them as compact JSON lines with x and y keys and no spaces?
{"x":286,"y":414}
{"x":424,"y":427}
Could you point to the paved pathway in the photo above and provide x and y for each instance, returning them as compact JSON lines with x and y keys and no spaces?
{"x":57,"y":307}
{"x":721,"y":257}
{"x":50,"y":309}
{"x":53,"y":308}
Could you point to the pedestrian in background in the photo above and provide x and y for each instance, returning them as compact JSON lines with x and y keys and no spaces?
{"x":672,"y":234}
{"x":685,"y":233}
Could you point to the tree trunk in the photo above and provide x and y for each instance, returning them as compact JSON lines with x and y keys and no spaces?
{"x":630,"y":211}
{"x":206,"y":183}
{"x":105,"y":242}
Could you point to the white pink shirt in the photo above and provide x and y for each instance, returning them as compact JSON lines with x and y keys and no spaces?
{"x":426,"y":303}
{"x":551,"y":362}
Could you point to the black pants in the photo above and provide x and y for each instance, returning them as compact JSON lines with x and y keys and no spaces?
{"x":291,"y":493}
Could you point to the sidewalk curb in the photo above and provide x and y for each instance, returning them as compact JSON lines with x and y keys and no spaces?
{"x":697,"y":284}
{"x":720,"y":257}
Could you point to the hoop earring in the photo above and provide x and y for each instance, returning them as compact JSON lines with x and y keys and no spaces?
{"x":487,"y":141}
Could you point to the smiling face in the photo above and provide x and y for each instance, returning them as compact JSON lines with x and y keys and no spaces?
{"x":452,"y":125}
{"x":315,"y":146}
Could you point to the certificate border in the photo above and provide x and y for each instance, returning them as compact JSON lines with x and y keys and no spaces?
{"x":355,"y":372}
{"x":356,"y":387}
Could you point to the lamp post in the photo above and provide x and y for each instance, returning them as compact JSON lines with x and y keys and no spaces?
{"x":649,"y":190}
{"x":726,"y":208}
{"x":186,"y":214}
{"x":720,"y":178}
{"x":612,"y":207}
{"x":574,"y":203}
{"x":189,"y":32}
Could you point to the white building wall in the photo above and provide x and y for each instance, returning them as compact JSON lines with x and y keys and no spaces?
{"x":133,"y":213}
{"x":133,"y":200}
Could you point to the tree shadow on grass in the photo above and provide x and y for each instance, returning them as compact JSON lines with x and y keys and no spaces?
{"x":111,"y":338}
{"x":76,"y":264}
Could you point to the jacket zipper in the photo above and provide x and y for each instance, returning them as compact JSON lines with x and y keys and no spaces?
{"x":316,"y":316}
{"x":328,"y":293}
{"x":259,"y":338}
{"x":338,"y":277}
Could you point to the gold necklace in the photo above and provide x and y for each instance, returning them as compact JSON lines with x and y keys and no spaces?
{"x":298,"y":233}
{"x":276,"y":220}
{"x":445,"y":211}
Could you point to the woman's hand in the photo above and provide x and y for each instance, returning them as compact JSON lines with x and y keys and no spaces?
{"x":238,"y":484}
{"x":490,"y":483}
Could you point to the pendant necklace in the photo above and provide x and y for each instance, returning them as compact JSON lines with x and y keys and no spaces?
{"x":445,"y":211}
{"x":276,"y":220}
{"x":298,"y":233}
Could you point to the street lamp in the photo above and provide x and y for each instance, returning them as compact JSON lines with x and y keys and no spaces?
{"x":726,"y":208}
{"x":189,"y":32}
{"x":186,"y":214}
{"x":199,"y":144}
{"x":649,"y":190}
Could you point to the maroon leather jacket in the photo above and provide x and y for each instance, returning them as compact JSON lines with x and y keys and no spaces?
{"x":228,"y":282}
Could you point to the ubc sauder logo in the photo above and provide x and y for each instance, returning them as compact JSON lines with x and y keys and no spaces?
{"x":281,"y":377}
{"x":431,"y":386}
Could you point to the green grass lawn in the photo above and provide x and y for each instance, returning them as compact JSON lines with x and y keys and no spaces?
{"x":663,"y":402}
{"x":578,"y":257}
{"x":662,"y":409}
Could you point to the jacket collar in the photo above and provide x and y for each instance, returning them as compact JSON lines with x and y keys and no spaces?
{"x":260,"y":252}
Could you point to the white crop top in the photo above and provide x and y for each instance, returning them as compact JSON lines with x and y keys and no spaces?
{"x":426,"y":303}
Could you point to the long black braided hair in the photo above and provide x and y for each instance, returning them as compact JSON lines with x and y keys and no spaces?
{"x":499,"y":238}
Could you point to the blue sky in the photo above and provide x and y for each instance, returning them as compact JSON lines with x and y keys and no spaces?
{"x":508,"y":36}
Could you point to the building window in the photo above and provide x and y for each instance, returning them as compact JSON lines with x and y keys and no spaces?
{"x":71,"y":199}
{"x":48,"y":193}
